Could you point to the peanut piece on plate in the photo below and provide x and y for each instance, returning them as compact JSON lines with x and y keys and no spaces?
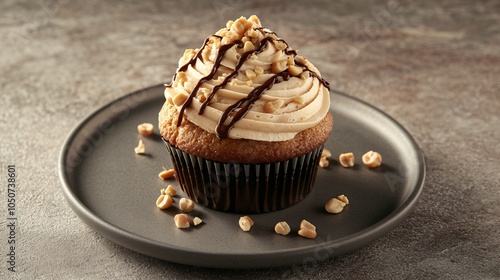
{"x":186,"y":204}
{"x":307,"y":233}
{"x":197,"y":221}
{"x":282,"y":228}
{"x":145,"y":129}
{"x":346,"y":160}
{"x":326,"y":153}
{"x":372,"y":159}
{"x":343,"y":198}
{"x":323,"y":162}
{"x":334,"y":206}
{"x":305,"y":224}
{"x":245,"y":223}
{"x":170,"y":190}
{"x":140,"y":149}
{"x":166,"y":174}
{"x":182,"y":221}
{"x":164,"y":201}
{"x":307,"y":229}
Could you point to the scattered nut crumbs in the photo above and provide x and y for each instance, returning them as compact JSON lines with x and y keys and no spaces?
{"x":140,"y":149}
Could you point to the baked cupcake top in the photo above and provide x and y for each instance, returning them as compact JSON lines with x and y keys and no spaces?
{"x":245,"y":82}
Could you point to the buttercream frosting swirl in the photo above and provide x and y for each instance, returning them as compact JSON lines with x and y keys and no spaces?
{"x":245,"y":82}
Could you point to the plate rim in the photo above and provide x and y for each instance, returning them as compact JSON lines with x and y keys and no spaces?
{"x":135,"y":242}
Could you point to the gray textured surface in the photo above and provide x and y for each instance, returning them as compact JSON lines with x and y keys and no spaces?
{"x":433,"y":67}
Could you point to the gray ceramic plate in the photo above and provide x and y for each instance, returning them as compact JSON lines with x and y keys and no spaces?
{"x":113,"y":190}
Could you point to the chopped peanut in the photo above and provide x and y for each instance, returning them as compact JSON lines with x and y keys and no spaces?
{"x":182,"y":221}
{"x":323,"y":162}
{"x":186,"y":204}
{"x":166,"y":174}
{"x":239,"y":26}
{"x":280,"y":45}
{"x":248,"y":46}
{"x":170,"y":190}
{"x":245,"y":223}
{"x":306,"y":224}
{"x":140,"y":149}
{"x":258,"y":70}
{"x":278,"y":66}
{"x":295,"y":70}
{"x":179,"y":99}
{"x":282,"y":228}
{"x":307,"y":233}
{"x":346,"y":160}
{"x":334,"y":206}
{"x":250,"y":74}
{"x":343,"y":198}
{"x":197,"y":221}
{"x":307,"y":229}
{"x":299,"y":100}
{"x":164,"y":201}
{"x":326,"y":153}
{"x":372,"y":159}
{"x":145,"y":129}
{"x":273,"y":106}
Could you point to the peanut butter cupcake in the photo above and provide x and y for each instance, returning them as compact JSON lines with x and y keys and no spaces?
{"x":245,"y":120}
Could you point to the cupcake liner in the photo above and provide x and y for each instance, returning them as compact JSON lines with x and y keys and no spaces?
{"x":245,"y":188}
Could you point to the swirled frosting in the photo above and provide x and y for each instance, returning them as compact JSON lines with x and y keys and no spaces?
{"x":245,"y":82}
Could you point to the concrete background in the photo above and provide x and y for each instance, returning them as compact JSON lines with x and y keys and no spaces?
{"x":434,"y":67}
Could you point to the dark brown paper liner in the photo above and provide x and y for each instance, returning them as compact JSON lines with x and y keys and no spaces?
{"x":245,"y":188}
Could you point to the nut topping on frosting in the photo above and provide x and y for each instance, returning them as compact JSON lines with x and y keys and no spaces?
{"x":244,"y":82}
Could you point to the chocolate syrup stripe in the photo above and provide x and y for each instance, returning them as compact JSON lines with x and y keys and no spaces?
{"x":222,"y":51}
{"x":314,"y":74}
{"x":244,"y":57}
{"x":192,"y":60}
{"x":244,"y":106}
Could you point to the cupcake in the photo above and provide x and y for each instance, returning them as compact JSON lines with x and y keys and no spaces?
{"x":245,"y":120}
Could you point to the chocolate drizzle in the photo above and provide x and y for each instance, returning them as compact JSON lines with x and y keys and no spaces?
{"x":241,"y":108}
{"x":192,"y":61}
{"x":222,"y":51}
{"x":244,"y":57}
{"x":238,"y":110}
{"x":314,"y":74}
